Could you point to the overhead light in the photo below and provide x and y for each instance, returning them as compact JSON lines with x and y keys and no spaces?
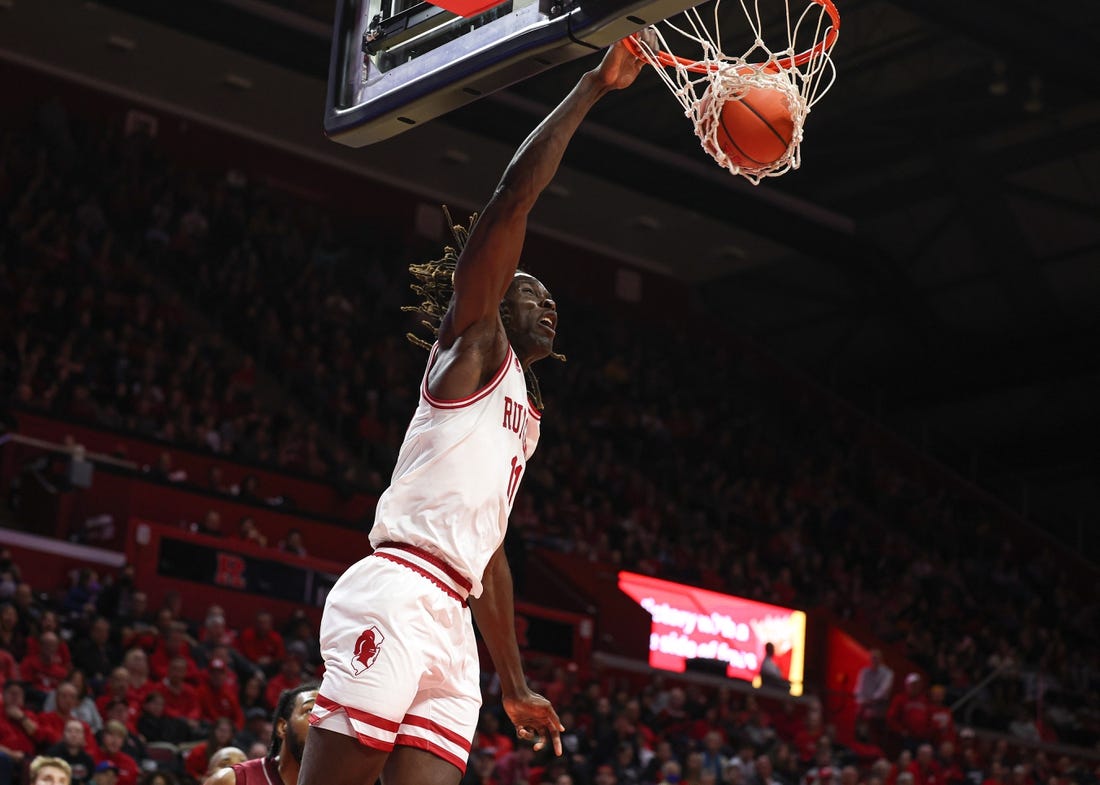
{"x":121,"y":42}
{"x":238,"y":81}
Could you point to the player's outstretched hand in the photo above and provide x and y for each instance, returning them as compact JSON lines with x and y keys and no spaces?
{"x":535,"y":720}
{"x":620,"y":67}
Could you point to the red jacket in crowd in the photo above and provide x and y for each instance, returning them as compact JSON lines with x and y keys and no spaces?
{"x":261,"y":646}
{"x":182,"y":702}
{"x":908,"y":715}
{"x":43,"y":673}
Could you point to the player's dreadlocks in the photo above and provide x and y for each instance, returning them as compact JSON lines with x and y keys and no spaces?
{"x":435,"y":285}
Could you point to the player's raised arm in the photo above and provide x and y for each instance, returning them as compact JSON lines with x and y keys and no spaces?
{"x":491,"y":254}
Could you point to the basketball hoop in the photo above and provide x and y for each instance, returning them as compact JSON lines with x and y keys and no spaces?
{"x":792,"y":79}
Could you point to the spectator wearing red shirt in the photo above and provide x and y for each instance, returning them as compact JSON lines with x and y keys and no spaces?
{"x":941,"y":723}
{"x":924,"y":767}
{"x":949,"y":764}
{"x":289,"y":676}
{"x":20,"y":730}
{"x":149,"y":635}
{"x":908,"y":713}
{"x":117,"y":689}
{"x":9,"y":668}
{"x":114,"y":735}
{"x":50,"y":623}
{"x":174,"y":644}
{"x":136,"y":663}
{"x":121,"y":711}
{"x":46,"y":668}
{"x":787,"y":722}
{"x":215,"y":631}
{"x":233,"y":661}
{"x":181,"y":700}
{"x":261,"y":644}
{"x":53,"y":722}
{"x":197,"y":760}
{"x":217,"y":699}
{"x":806,"y":738}
{"x":248,"y":532}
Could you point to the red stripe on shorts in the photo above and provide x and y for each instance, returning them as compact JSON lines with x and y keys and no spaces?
{"x":358,"y":714}
{"x":435,"y":749}
{"x":447,"y":569}
{"x":362,"y":738}
{"x":447,"y":733}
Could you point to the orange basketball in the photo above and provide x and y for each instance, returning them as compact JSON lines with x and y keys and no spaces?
{"x":756,"y":131}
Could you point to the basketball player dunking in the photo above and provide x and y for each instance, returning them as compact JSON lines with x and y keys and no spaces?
{"x":400,"y":695}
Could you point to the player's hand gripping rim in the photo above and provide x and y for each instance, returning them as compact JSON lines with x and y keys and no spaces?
{"x":620,"y":67}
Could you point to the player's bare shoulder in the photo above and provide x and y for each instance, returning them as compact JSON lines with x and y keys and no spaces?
{"x":468,"y":361}
{"x":224,"y":776}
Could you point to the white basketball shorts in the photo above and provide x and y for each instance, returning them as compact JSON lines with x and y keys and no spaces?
{"x":401,"y":663}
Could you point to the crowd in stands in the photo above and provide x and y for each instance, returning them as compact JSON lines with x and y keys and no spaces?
{"x":663,"y":449}
{"x":88,"y":333}
{"x":94,"y":676}
{"x":99,"y":679}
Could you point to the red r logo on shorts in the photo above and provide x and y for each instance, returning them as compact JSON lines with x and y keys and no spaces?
{"x":366,"y":650}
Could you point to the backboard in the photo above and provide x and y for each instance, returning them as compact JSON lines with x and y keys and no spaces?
{"x":396,"y":64}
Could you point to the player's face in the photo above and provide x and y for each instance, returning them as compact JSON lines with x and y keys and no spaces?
{"x":530,"y":318}
{"x":298,"y":725}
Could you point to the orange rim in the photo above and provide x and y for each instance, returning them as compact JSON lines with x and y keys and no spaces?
{"x":669,"y":60}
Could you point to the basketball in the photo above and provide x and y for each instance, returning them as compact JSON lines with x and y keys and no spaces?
{"x":756,"y":131}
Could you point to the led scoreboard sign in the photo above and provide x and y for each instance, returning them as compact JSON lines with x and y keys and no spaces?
{"x":689,"y":623}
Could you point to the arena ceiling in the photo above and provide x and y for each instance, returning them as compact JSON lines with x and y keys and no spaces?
{"x":936,"y":259}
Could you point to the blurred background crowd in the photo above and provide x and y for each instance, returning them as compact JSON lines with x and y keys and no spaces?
{"x":207,"y":312}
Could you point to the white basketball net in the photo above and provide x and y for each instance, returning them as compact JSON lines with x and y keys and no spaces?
{"x":704,"y":85}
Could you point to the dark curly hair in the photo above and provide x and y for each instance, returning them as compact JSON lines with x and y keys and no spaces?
{"x":283,"y":709}
{"x":435,"y":286}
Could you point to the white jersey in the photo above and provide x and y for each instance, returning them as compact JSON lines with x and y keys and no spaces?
{"x":458,"y":471}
